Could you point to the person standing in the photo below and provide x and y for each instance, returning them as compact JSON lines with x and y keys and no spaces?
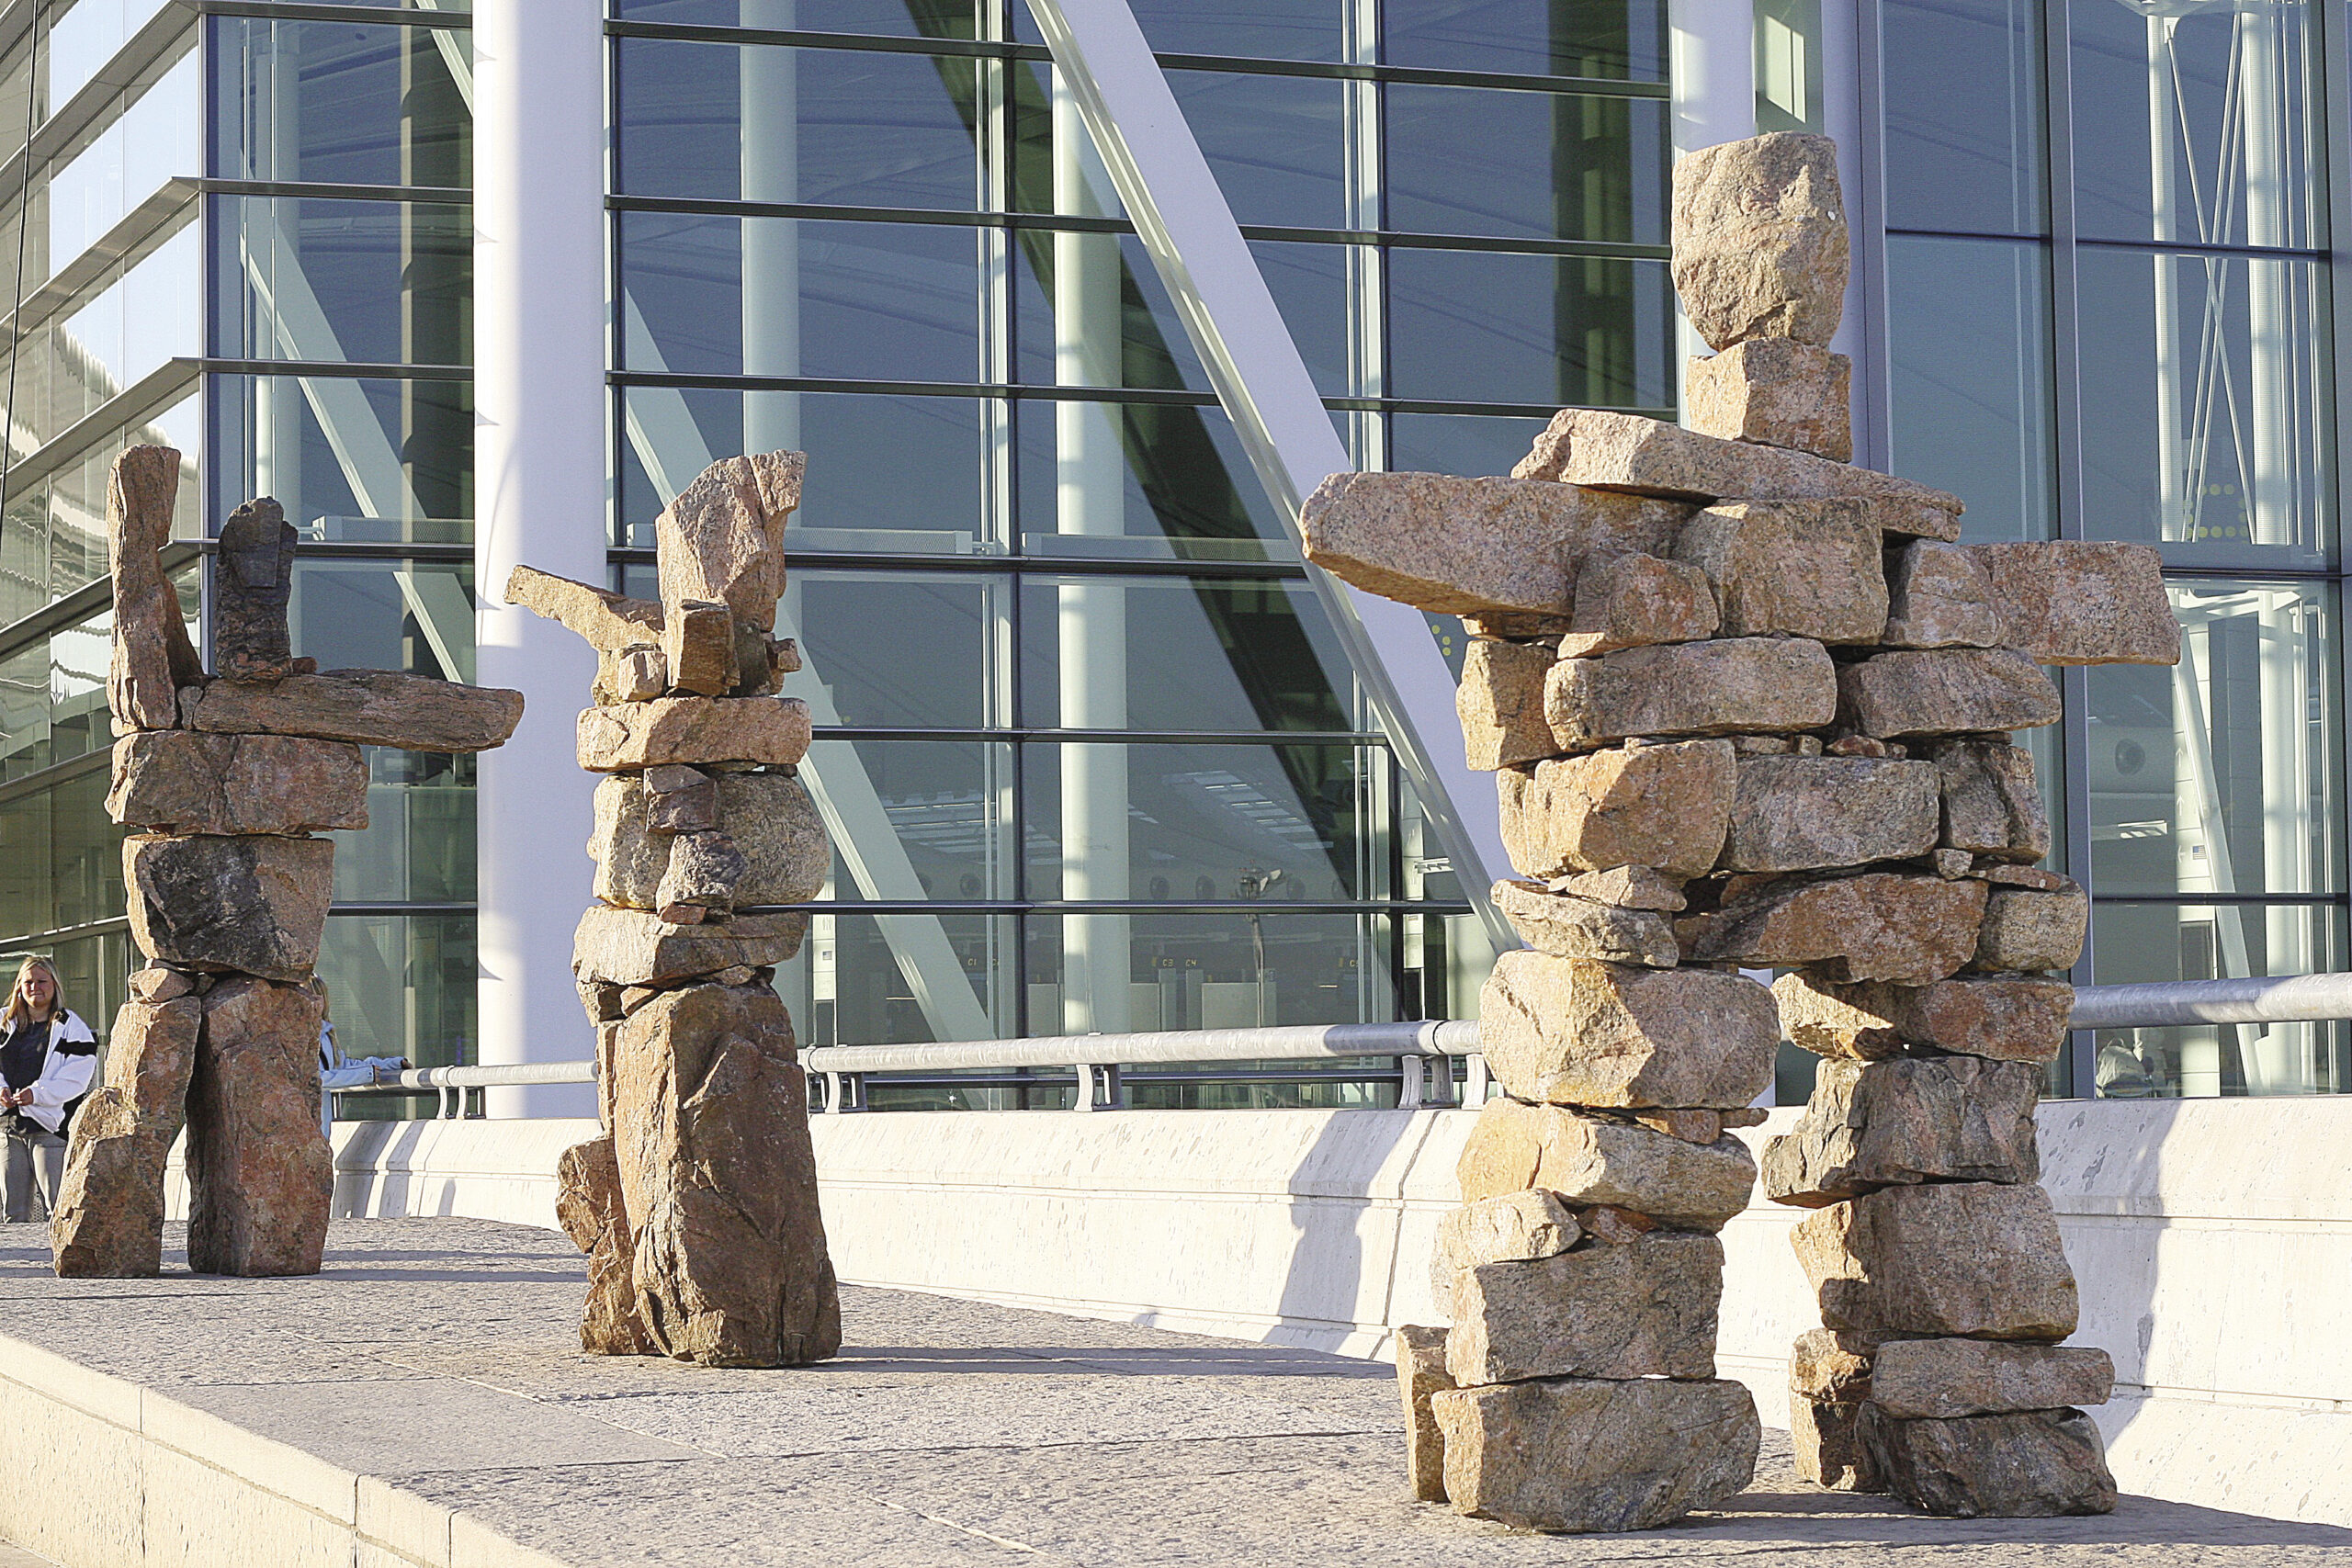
{"x":48,"y":1057}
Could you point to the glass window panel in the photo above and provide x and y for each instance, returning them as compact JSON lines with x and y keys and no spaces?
{"x":861,"y":493}
{"x":1965,"y":143}
{"x":155,"y":138}
{"x":2222,"y":773}
{"x":1276,"y":144}
{"x":400,"y":986}
{"x":1458,"y":443}
{"x":1310,"y":286}
{"x":933,"y":669}
{"x":1089,"y":312}
{"x":902,"y":981}
{"x":351,"y":458}
{"x":416,"y":616}
{"x":1476,"y":327}
{"x":1525,"y":166}
{"x":1116,"y":972}
{"x":1125,"y":480}
{"x":418,"y":846}
{"x":85,"y":36}
{"x":55,"y":539}
{"x":915,"y":819}
{"x":1969,"y":336}
{"x":110,"y":339}
{"x":54,"y":697}
{"x":894,"y":18}
{"x":1208,"y":654}
{"x":1196,"y":823}
{"x":344,"y":103}
{"x":84,"y":849}
{"x":865,"y":301}
{"x":376,"y":282}
{"x":2137,"y":943}
{"x":1539,"y":38}
{"x":770,"y":122}
{"x":2208,"y":433}
{"x":1256,"y":29}
{"x":2192,"y":122}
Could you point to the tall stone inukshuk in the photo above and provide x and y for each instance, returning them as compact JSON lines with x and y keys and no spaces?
{"x":698,"y":1206}
{"x":225,"y":778}
{"x":1751,"y":707}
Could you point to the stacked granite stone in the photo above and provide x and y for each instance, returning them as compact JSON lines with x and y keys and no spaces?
{"x":226,"y":778}
{"x":698,"y":1206}
{"x":1748,"y":707}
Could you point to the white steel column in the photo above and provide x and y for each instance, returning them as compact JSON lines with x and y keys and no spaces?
{"x":539,"y":498}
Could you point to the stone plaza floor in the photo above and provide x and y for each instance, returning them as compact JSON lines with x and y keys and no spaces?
{"x":439,"y":1354}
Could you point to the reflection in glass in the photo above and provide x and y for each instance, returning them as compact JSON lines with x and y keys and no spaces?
{"x":78,"y":353}
{"x":400,"y":985}
{"x":1310,"y":284}
{"x":2192,"y":122}
{"x":1139,"y":478}
{"x":2138,"y":942}
{"x":54,"y":694}
{"x":2209,"y":433}
{"x":1241,"y":970}
{"x":410,"y":615}
{"x":56,"y":538}
{"x":861,"y":493}
{"x":1466,"y":443}
{"x":1275,"y":143}
{"x":1205,"y":655}
{"x":1108,"y":323}
{"x":931,"y":669}
{"x":1255,"y":30}
{"x":863,"y":301}
{"x":1963,"y":97}
{"x":376,"y":282}
{"x":418,"y":846}
{"x":1482,"y":327}
{"x":1969,"y":339}
{"x":1546,"y":37}
{"x":902,"y":981}
{"x":64,"y":862}
{"x":155,"y":138}
{"x":895,"y":18}
{"x":1525,"y":166}
{"x":914,"y":820}
{"x":361,"y":459}
{"x":2222,"y":775}
{"x":344,"y":103}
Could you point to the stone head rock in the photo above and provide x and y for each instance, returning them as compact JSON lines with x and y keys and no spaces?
{"x":152,"y":656}
{"x":1940,"y":596}
{"x":2027,"y":930}
{"x":769,"y":731}
{"x":252,"y":583}
{"x":721,"y":541}
{"x":1760,"y":248}
{"x":1632,"y":600}
{"x":1991,"y":806}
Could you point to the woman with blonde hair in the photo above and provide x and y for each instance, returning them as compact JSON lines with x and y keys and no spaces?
{"x":48,"y":1057}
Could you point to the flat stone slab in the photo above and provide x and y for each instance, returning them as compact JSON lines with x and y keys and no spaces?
{"x":947,"y":1432}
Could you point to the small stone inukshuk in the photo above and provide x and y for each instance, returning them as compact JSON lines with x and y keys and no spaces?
{"x":1750,"y":707}
{"x":698,"y":1206}
{"x":226,"y":777}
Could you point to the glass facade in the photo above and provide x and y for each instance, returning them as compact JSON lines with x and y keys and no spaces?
{"x":2110,"y":316}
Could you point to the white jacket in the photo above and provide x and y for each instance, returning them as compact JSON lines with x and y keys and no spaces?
{"x":65,"y":1072}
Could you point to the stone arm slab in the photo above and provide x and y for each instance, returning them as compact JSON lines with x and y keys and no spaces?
{"x":372,"y":707}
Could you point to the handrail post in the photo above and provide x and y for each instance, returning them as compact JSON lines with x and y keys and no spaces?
{"x":1083,"y":1098}
{"x":1474,"y":1088}
{"x":1409,"y":1081}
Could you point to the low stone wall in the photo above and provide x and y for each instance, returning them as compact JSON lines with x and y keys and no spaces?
{"x":2213,"y":1238}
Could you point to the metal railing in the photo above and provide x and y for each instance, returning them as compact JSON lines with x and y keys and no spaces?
{"x":1095,"y":1066}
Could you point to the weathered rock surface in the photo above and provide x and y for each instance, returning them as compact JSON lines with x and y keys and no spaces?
{"x":1741,"y":684}
{"x":679,"y":800}
{"x":1831,"y":1366}
{"x":698,"y":649}
{"x":1625,"y":886}
{"x":590,"y":1207}
{"x":1947,"y":691}
{"x":1807,"y":569}
{"x":1878,"y":926}
{"x":254,"y":906}
{"x":1777,"y":391}
{"x":2033,"y":1464}
{"x":1575,"y":1032}
{"x":1944,"y":1379}
{"x":1642,"y":1310}
{"x":1938,"y":595}
{"x":1473,"y":546}
{"x":611,"y":623}
{"x":1588,"y":1160}
{"x":631,"y":947}
{"x":1827,"y":1441}
{"x":710,"y":1129}
{"x":1910,"y":1120}
{"x":1420,"y":1372}
{"x":152,"y":656}
{"x":252,"y":583}
{"x":2027,"y":931}
{"x":1659,"y":807}
{"x":1575,"y":1454}
{"x":1602,"y":450}
{"x":1943,"y":1259}
{"x":704,"y":870}
{"x":179,"y":782}
{"x":2007,"y":1019}
{"x":261,"y":1178}
{"x":1991,"y":806}
{"x":768,"y":819}
{"x":2082,"y":602}
{"x":1500,"y":703}
{"x":1812,"y":813}
{"x":156,"y":984}
{"x":109,"y":1218}
{"x":772,"y":731}
{"x":1634,"y":601}
{"x":1509,"y":1227}
{"x":632,"y":675}
{"x":370,"y":707}
{"x":1568,"y":927}
{"x":720,"y":541}
{"x":1759,"y":239}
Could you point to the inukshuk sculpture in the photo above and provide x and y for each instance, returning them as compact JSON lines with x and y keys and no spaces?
{"x":225,"y":778}
{"x":698,"y":1206}
{"x":1750,"y":707}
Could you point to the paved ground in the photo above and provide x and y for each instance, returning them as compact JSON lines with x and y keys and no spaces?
{"x":440,"y":1353}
